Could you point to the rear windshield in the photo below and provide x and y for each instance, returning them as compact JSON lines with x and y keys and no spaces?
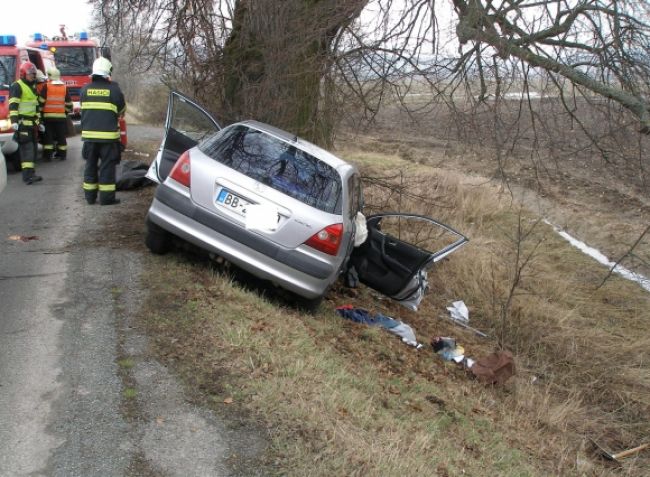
{"x":277,"y":164}
{"x":7,"y":70}
{"x":74,"y":60}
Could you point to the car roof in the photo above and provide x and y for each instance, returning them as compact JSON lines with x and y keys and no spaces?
{"x":327,"y":157}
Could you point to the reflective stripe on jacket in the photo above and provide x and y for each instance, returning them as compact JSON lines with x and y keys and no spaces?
{"x":102,"y":102}
{"x":56,"y":100}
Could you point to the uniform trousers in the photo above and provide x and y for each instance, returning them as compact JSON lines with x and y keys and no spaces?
{"x":55,"y":132}
{"x":99,"y":173}
{"x":26,"y":139}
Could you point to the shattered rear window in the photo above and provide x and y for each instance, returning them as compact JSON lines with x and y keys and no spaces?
{"x":277,"y":164}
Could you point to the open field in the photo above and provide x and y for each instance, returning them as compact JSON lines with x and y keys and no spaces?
{"x":338,"y":398}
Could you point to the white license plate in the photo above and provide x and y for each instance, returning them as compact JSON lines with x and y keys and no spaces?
{"x":232,"y":202}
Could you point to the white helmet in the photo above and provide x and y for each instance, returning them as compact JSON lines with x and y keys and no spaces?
{"x":54,"y":74}
{"x":102,"y":67}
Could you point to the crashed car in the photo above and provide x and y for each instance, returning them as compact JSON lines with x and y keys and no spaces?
{"x":277,"y":206}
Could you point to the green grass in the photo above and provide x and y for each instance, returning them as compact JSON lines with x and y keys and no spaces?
{"x":126,"y":363}
{"x":313,"y":380}
{"x":130,"y":393}
{"x":337,"y":398}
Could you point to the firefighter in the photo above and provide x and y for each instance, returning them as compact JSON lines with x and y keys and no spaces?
{"x":41,"y":79}
{"x":102,"y":104}
{"x":24,"y":115}
{"x":56,"y":105}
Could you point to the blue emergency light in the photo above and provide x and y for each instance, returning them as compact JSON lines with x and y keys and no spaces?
{"x":38,"y":37}
{"x":7,"y":40}
{"x":43,"y":46}
{"x":83,"y":35}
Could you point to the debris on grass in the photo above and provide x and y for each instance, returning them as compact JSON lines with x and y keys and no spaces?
{"x":396,"y":327}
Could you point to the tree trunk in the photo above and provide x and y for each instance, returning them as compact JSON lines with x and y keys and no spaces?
{"x":276,"y":62}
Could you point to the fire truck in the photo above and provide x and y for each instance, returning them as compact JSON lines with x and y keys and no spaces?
{"x":74,"y":56}
{"x":12,"y":57}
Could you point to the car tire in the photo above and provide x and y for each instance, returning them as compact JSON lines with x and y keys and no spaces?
{"x":14,"y":160}
{"x":157,"y":240}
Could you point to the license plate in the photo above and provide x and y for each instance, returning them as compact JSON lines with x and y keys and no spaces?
{"x":232,"y":202}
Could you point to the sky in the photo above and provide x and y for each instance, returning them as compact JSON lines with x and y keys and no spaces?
{"x":44,"y":16}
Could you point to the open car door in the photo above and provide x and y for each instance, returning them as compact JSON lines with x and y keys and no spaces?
{"x":186,"y":125}
{"x":399,"y":250}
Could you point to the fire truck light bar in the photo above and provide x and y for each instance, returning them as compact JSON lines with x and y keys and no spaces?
{"x":7,"y":40}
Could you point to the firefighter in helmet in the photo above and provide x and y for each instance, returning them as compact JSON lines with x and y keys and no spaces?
{"x":24,"y":114}
{"x":102,"y":104}
{"x":41,"y":79}
{"x":56,"y":105}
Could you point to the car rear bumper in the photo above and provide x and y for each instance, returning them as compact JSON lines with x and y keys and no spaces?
{"x":290,"y":269}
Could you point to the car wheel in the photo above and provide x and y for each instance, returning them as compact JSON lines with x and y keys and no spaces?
{"x":157,"y":240}
{"x":14,"y":160}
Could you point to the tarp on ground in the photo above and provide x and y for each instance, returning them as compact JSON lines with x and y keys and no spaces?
{"x":131,"y":175}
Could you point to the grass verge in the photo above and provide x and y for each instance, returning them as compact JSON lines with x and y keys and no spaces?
{"x":337,"y":398}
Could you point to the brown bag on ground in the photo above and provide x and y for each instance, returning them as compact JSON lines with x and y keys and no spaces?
{"x":495,"y":368}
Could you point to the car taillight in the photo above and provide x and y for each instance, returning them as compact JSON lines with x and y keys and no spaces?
{"x":181,"y":170}
{"x":327,"y":240}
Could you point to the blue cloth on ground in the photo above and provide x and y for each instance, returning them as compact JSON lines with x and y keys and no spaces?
{"x":364,"y":316}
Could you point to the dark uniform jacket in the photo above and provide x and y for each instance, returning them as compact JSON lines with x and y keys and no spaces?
{"x":102,"y":102}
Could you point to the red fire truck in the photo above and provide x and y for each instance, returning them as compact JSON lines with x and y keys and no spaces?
{"x":11,"y":57}
{"x":74,"y":57}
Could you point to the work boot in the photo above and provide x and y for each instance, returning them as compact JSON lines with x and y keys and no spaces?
{"x":31,"y":179}
{"x":111,"y":202}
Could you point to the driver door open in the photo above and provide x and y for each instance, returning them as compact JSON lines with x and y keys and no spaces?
{"x":186,"y":125}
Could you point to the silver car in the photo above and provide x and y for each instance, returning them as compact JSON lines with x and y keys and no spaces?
{"x":276,"y":206}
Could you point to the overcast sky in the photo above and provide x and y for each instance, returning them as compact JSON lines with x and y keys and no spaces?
{"x":44,"y":16}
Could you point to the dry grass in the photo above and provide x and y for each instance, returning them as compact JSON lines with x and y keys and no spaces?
{"x":337,"y":398}
{"x":588,"y":345}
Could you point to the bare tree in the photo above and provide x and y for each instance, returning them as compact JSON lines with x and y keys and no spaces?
{"x":293,"y":63}
{"x":600,"y":45}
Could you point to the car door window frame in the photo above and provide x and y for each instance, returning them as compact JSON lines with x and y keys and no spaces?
{"x":373,"y":251}
{"x":168,"y":154}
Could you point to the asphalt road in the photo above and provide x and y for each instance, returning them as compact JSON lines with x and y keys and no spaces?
{"x":65,"y":321}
